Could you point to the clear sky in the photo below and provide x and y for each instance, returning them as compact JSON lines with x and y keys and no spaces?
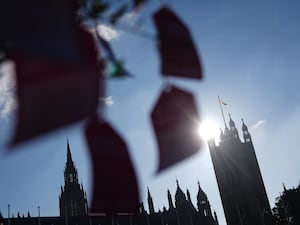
{"x":250,"y":52}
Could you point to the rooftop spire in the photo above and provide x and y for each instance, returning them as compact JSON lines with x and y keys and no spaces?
{"x":231,"y":122}
{"x":150,"y":202}
{"x":171,"y":206}
{"x":244,"y":127}
{"x":69,"y":156}
{"x":246,"y":134}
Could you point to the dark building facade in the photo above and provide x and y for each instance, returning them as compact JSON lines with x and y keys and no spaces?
{"x":74,"y":208}
{"x":239,"y":179}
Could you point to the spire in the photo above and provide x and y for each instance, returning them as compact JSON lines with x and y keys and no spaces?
{"x":246,"y":134}
{"x":188,"y":195}
{"x":150,"y":202}
{"x":203,"y":203}
{"x":70,"y":170}
{"x":179,"y":196}
{"x":231,"y":122}
{"x":69,"y":155}
{"x":244,"y":127}
{"x":171,"y":206}
{"x":72,"y":199}
{"x":232,"y":128}
{"x":201,"y":196}
{"x":284,"y":188}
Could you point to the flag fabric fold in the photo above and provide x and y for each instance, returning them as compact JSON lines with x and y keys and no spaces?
{"x":53,"y":93}
{"x":175,"y":121}
{"x":177,"y":51}
{"x":115,"y":188}
{"x":223,"y":102}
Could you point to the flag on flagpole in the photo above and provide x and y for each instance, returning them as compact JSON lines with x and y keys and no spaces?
{"x":222,"y":102}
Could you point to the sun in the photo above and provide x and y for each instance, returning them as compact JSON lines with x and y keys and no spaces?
{"x":209,"y":129}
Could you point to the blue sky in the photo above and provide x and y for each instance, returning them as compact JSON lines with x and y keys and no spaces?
{"x":250,"y":51}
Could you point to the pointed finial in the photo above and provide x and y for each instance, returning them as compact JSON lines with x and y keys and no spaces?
{"x":148,"y":192}
{"x":69,"y":155}
{"x":284,"y":188}
{"x":244,"y":127}
{"x":231,"y":122}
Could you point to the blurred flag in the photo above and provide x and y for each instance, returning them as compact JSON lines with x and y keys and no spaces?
{"x":115,"y":188}
{"x":223,"y":102}
{"x":175,"y":122}
{"x":178,"y":54}
{"x":52,"y":93}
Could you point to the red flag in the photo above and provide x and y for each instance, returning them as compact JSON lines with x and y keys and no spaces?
{"x":176,"y":48}
{"x":52,"y":93}
{"x":175,"y":121}
{"x":115,"y":188}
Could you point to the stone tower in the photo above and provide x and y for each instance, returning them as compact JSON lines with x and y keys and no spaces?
{"x":72,"y":200}
{"x":239,"y":179}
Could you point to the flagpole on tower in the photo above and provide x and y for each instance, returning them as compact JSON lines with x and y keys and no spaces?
{"x":220,"y":103}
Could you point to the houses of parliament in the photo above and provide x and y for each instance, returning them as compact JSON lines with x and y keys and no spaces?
{"x":73,"y":207}
{"x":239,"y":180}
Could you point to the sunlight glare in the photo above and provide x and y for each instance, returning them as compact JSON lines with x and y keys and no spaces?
{"x":209,"y":129}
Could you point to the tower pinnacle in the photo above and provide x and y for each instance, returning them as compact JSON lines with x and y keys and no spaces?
{"x":72,"y":200}
{"x":246,"y":134}
{"x":150,"y":202}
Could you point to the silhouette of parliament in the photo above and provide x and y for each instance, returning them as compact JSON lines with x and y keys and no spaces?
{"x":240,"y":183}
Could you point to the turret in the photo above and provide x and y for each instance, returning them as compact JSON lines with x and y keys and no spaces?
{"x":246,"y":134}
{"x":180,"y":198}
{"x":233,"y":131}
{"x":203,"y":203}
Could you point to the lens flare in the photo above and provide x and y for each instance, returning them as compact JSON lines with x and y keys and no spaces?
{"x":209,"y":129}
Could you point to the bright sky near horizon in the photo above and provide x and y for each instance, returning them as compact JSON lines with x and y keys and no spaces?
{"x":250,"y":51}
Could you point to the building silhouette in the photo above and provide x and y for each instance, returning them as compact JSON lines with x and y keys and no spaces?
{"x":239,"y":179}
{"x":73,"y":207}
{"x":72,"y":200}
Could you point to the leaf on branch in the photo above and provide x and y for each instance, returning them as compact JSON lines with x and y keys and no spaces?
{"x":115,"y":188}
{"x":178,"y":54}
{"x":175,"y":122}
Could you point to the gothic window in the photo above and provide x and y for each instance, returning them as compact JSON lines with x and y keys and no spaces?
{"x":71,"y":177}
